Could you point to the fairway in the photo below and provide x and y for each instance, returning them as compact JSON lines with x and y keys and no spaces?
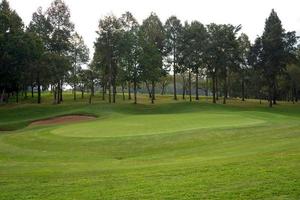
{"x":134,"y":125}
{"x":170,"y":150}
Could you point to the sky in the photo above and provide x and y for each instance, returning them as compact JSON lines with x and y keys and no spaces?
{"x":251,"y":14}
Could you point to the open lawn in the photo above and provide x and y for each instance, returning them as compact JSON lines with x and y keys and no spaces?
{"x":170,"y":150}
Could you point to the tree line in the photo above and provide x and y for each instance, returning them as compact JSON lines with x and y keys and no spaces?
{"x":218,"y":58}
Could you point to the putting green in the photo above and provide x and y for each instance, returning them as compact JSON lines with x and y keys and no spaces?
{"x":136,"y":125}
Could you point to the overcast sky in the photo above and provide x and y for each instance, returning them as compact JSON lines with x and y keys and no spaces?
{"x":251,"y":14}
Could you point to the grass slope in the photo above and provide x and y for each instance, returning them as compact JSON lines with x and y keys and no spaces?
{"x":171,"y":150}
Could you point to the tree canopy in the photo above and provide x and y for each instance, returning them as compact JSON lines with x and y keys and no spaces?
{"x":50,"y":54}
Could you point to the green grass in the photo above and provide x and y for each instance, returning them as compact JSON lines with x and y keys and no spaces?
{"x":170,"y":150}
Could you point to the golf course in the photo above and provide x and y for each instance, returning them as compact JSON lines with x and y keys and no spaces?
{"x":169,"y":150}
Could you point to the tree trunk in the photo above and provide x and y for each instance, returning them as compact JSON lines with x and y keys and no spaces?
{"x":54,"y":94}
{"x":206,"y":90}
{"x":274,"y":94}
{"x":61,"y":92}
{"x":39,"y":88}
{"x":90,"y":98}
{"x":174,"y":82}
{"x":39,"y":93}
{"x":135,"y":91}
{"x":260,"y":100}
{"x":74,"y":91}
{"x":175,"y":71}
{"x":183,"y":87}
{"x":32,"y":87}
{"x":295,"y":93}
{"x":217,"y":89}
{"x":17,"y":95}
{"x":109,"y":92}
{"x":129,"y":90}
{"x":243,"y":89}
{"x":153,"y":93}
{"x":82,"y":93}
{"x":110,"y":81}
{"x":103,"y":92}
{"x":123,"y":92}
{"x":58,"y":93}
{"x":225,"y":88}
{"x":2,"y":96}
{"x":270,"y":96}
{"x":25,"y":92}
{"x":214,"y":87}
{"x":228,"y":84}
{"x":114,"y":92}
{"x":197,"y":85}
{"x":190,"y":85}
{"x":92,"y":88}
{"x":163,"y":88}
{"x":149,"y":91}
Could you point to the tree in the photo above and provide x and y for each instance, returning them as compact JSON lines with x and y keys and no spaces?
{"x":222,"y":54}
{"x":130,"y":51}
{"x":34,"y":50}
{"x":255,"y":59}
{"x":89,"y":81}
{"x":244,"y":49}
{"x":229,"y":54}
{"x":11,"y":46}
{"x":186,"y":58}
{"x":79,"y":55}
{"x":40,"y":28}
{"x":174,"y":32}
{"x":276,"y":48}
{"x":107,"y":50}
{"x":212,"y":55}
{"x":57,"y":66}
{"x":82,"y":81}
{"x":100,"y":66}
{"x":164,"y":82}
{"x":293,"y":73}
{"x":198,"y":43}
{"x":152,"y":38}
{"x":40,"y":25}
{"x":58,"y":16}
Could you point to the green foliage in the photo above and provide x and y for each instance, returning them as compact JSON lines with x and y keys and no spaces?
{"x":174,"y":34}
{"x":79,"y":54}
{"x":272,"y":52}
{"x":40,"y":25}
{"x":129,"y":55}
{"x":58,"y":15}
{"x":129,"y":48}
{"x":11,"y":45}
{"x":273,"y":47}
{"x":152,"y":38}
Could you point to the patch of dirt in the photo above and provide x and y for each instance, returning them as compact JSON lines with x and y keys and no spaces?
{"x":63,"y":120}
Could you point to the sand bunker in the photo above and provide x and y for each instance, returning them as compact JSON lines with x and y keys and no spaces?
{"x":63,"y":120}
